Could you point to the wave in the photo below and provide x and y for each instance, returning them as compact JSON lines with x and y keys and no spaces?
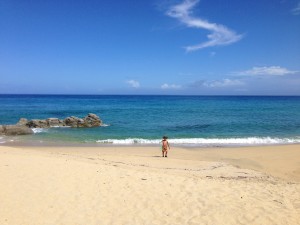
{"x":129,"y":141}
{"x":2,"y":141}
{"x":207,"y":141}
{"x":58,"y":127}
{"x":38,"y":130}
{"x":42,"y":130}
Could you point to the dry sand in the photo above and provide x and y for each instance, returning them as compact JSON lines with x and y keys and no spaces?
{"x":134,"y":185}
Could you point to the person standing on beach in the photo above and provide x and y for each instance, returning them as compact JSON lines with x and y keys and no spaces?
{"x":165,"y":146}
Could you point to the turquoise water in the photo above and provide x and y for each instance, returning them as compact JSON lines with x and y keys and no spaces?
{"x":186,"y":120}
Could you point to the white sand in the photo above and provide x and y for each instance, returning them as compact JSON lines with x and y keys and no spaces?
{"x":126,"y":185}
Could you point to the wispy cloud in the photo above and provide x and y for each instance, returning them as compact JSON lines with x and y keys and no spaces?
{"x":170,"y":86}
{"x":223,"y":83}
{"x":296,"y":10}
{"x":133,"y":83}
{"x":220,"y":35}
{"x":266,"y":71}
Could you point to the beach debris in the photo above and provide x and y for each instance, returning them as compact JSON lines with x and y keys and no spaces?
{"x":24,"y":126}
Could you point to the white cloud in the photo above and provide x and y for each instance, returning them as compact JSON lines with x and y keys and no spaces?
{"x":269,"y":71}
{"x":133,"y":83}
{"x":296,"y":10}
{"x":220,"y":35}
{"x":170,"y":86}
{"x":223,"y":83}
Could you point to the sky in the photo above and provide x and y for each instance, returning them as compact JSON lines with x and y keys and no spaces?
{"x":166,"y":47}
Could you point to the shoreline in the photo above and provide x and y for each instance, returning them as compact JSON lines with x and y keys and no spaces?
{"x":135,"y":185}
{"x":61,"y":143}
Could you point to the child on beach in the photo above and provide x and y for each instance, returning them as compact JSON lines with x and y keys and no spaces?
{"x":165,"y":146}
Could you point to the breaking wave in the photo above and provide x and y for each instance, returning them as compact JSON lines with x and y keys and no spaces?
{"x":207,"y":141}
{"x":38,"y":130}
{"x":2,"y":141}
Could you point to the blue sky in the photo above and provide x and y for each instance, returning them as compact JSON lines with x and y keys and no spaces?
{"x":205,"y":47}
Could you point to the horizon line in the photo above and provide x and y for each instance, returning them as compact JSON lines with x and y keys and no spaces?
{"x":208,"y":95}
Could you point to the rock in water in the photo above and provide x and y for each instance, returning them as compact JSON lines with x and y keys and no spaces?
{"x":71,"y":121}
{"x":16,"y":130}
{"x":1,"y":129}
{"x":54,"y":122}
{"x":92,"y":120}
{"x":37,"y":124}
{"x":22,"y":122}
{"x":23,"y":126}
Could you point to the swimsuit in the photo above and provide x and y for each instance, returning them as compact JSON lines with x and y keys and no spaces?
{"x":164,"y":146}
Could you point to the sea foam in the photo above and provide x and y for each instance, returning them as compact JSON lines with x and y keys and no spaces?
{"x":2,"y":141}
{"x":207,"y":141}
{"x":38,"y":130}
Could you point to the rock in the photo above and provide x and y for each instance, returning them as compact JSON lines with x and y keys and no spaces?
{"x":22,"y":122}
{"x":53,"y":122}
{"x":71,"y":121}
{"x":61,"y":123}
{"x":37,"y":124}
{"x":81,"y":123}
{"x":23,"y":126}
{"x":92,"y":120}
{"x":1,"y":129}
{"x":16,"y":130}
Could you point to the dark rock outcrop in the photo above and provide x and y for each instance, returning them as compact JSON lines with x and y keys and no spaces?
{"x":37,"y":124}
{"x":54,"y":122}
{"x":24,"y":126}
{"x":91,"y":120}
{"x":50,"y":122}
{"x":72,"y":121}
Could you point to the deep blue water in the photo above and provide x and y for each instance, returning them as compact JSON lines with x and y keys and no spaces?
{"x":192,"y":120}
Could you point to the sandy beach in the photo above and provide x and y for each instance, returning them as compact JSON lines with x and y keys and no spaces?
{"x":135,"y":185}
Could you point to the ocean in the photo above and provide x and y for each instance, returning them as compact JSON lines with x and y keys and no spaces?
{"x":192,"y":121}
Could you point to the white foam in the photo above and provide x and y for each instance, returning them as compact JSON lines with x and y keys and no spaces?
{"x":128,"y":141}
{"x":247,"y":141}
{"x":105,"y":125}
{"x":60,"y":126}
{"x":1,"y":140}
{"x":38,"y":130}
{"x":206,"y":141}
